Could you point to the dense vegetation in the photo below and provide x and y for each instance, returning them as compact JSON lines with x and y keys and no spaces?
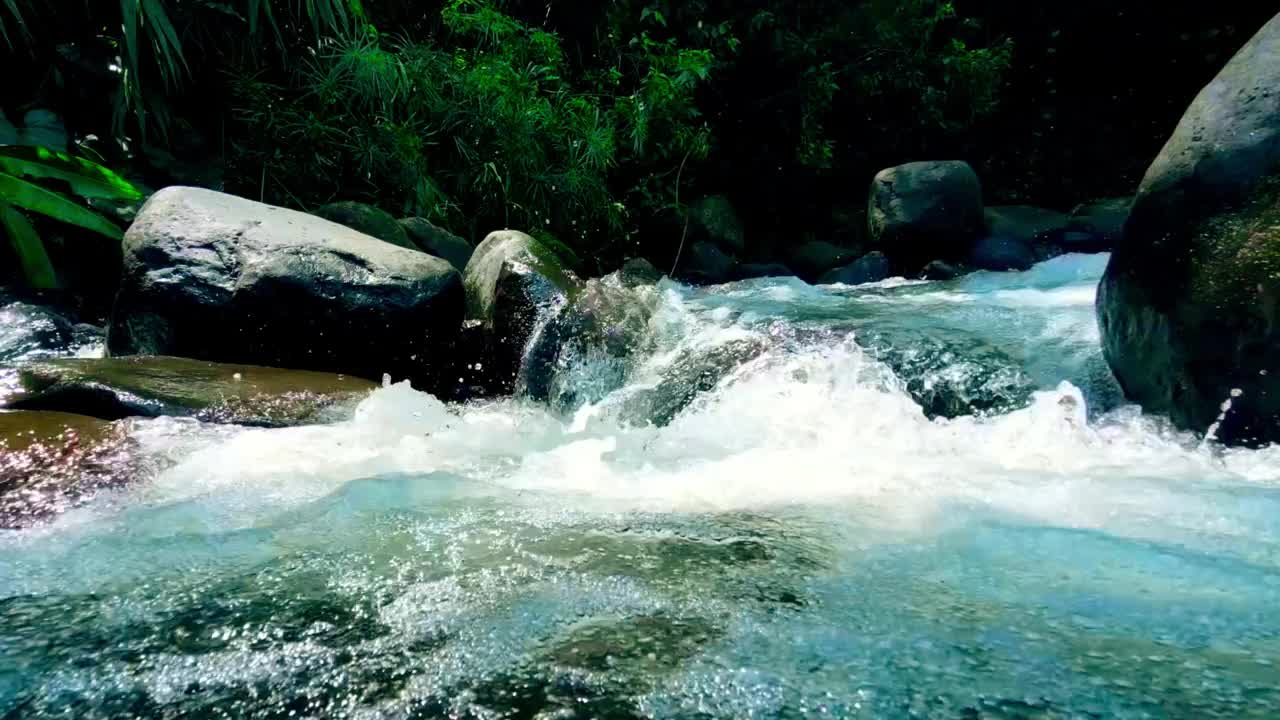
{"x":599,"y":123}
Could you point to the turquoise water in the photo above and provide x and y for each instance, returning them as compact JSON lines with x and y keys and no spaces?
{"x":803,"y":538}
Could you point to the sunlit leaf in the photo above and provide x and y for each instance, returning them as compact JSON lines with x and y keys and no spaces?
{"x":87,"y":179}
{"x":33,"y":198}
{"x":26,"y":244}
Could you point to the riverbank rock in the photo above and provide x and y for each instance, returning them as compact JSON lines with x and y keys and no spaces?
{"x":706,"y":264}
{"x":872,"y":267}
{"x":810,"y":260}
{"x":513,"y":286}
{"x":637,"y":272}
{"x":941,"y":270}
{"x":1096,"y":226}
{"x":1000,"y":252}
{"x":751,"y":271}
{"x":924,"y":211}
{"x":1190,"y":302}
{"x":1009,"y":229}
{"x":434,"y":240}
{"x":217,"y":277}
{"x":367,"y":219}
{"x":51,"y":461}
{"x":154,"y":386}
{"x":713,"y":219}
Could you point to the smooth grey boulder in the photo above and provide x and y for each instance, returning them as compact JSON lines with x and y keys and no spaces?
{"x":217,"y":277}
{"x":367,"y":219}
{"x":924,"y":211}
{"x":514,"y":285}
{"x":435,"y":240}
{"x":1189,"y":306}
{"x":872,"y":267}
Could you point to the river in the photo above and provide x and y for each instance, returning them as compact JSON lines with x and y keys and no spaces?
{"x":807,"y":531}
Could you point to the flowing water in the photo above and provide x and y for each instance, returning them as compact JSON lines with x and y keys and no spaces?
{"x":799,"y":536}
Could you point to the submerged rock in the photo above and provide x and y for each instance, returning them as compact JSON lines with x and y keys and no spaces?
{"x":51,"y":461}
{"x":637,"y":272}
{"x":151,"y":386}
{"x":872,"y":267}
{"x":1188,"y":306}
{"x":513,"y":287}
{"x":367,"y":219}
{"x":435,"y":240}
{"x":217,"y":277}
{"x":924,"y":211}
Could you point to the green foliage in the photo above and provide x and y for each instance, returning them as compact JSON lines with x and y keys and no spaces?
{"x":88,"y":180}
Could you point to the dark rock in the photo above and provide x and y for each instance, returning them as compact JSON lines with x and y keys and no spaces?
{"x":514,"y":285}
{"x":811,"y":259}
{"x":217,"y":277}
{"x":1000,"y":252}
{"x":692,"y":374}
{"x":749,"y":271}
{"x":435,"y":240}
{"x":713,"y":219}
{"x":636,"y":272}
{"x":1097,"y":226}
{"x":706,"y":264}
{"x":924,"y":211}
{"x":872,"y":267}
{"x":1032,"y":226}
{"x":941,"y":270}
{"x":1188,"y":306}
{"x":368,"y":220}
{"x":50,"y":462}
{"x":154,"y":386}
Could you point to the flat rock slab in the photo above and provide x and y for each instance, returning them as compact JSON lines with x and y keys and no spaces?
{"x":153,"y":386}
{"x":50,"y":461}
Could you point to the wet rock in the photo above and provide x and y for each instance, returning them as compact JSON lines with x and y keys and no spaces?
{"x":692,"y":374}
{"x":941,"y":270}
{"x":1001,"y":252}
{"x":217,"y":277}
{"x":50,"y":462}
{"x":811,"y":259}
{"x":636,"y":272}
{"x":872,"y":267}
{"x":514,"y":285}
{"x":751,"y":271}
{"x":706,"y":264}
{"x":435,"y":240}
{"x":713,"y":219}
{"x":369,"y":220}
{"x":587,"y":349}
{"x":153,"y":386}
{"x":1096,"y":226}
{"x":924,"y":211}
{"x":1032,"y":226}
{"x":1189,"y":303}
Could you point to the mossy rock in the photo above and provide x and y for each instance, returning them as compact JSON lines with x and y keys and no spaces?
{"x":368,"y":220}
{"x":51,"y":461}
{"x":153,"y":386}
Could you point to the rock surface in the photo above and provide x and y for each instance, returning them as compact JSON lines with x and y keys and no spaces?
{"x":1036,"y":228}
{"x":924,"y":211}
{"x":750,"y":271}
{"x":217,"y":277}
{"x":706,"y":264}
{"x":1096,"y":226}
{"x":1000,"y":252}
{"x":514,"y":285}
{"x":872,"y":267}
{"x":713,"y":219}
{"x":51,"y":461}
{"x":154,"y":386}
{"x":1190,"y":302}
{"x":434,"y":240}
{"x":367,"y":219}
{"x":811,"y":259}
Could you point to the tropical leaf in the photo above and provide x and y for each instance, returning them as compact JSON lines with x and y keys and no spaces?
{"x":87,"y":179}
{"x":28,"y":247}
{"x":33,"y":198}
{"x":15,"y":10}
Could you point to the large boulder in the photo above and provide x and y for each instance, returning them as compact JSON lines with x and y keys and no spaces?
{"x":435,"y":240}
{"x":924,"y":211}
{"x":1190,"y":302}
{"x":514,"y":285}
{"x":152,"y":386}
{"x":217,"y":277}
{"x":367,"y":219}
{"x":872,"y":267}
